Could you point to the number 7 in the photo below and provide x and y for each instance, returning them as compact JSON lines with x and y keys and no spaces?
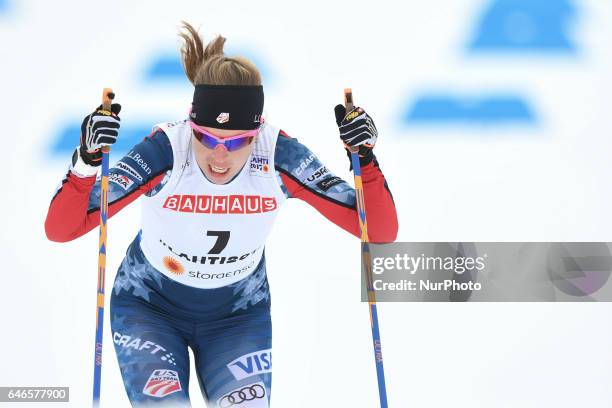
{"x":222,"y":240}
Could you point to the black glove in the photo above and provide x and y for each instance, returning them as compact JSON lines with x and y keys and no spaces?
{"x":99,"y":129}
{"x":357,"y":129}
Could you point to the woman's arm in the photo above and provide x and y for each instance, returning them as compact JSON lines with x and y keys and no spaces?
{"x":75,"y":207}
{"x":306,"y":178}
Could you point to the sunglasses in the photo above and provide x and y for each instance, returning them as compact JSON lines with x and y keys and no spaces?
{"x":231,"y":143}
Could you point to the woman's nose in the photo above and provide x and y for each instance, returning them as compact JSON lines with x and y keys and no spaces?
{"x":220,"y":151}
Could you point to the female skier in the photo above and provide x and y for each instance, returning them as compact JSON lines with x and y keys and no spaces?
{"x":212,"y":185}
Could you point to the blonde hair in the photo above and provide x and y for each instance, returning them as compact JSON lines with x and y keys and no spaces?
{"x":210,"y":66}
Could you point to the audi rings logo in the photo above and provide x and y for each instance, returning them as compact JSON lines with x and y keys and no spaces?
{"x":240,"y":395}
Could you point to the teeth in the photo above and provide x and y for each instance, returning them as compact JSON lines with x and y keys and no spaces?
{"x":219,"y":169}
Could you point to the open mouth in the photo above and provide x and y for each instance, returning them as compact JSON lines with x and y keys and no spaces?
{"x":218,"y":170}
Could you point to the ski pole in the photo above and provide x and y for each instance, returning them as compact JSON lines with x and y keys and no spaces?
{"x":365,"y":256}
{"x":107,"y":97}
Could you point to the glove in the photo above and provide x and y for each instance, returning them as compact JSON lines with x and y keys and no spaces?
{"x":357,"y":129}
{"x":98,"y":129}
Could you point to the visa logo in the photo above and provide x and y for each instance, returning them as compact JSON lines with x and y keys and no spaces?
{"x":259,"y":362}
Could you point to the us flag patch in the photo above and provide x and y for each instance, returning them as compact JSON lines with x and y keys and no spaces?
{"x":162,"y":383}
{"x":223,"y":117}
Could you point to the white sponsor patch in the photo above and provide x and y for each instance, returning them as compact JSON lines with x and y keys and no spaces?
{"x":259,"y":362}
{"x":260,"y":164}
{"x":123,"y":181}
{"x":247,"y":396}
{"x":223,"y":117}
{"x":129,"y":170}
{"x":162,"y":383}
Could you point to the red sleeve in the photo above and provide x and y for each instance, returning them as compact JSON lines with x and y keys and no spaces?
{"x":69,"y":217}
{"x":75,"y":209}
{"x":380,"y":209}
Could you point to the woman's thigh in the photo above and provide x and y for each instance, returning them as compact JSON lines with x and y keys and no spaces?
{"x":152,"y":355}
{"x":234,"y":360}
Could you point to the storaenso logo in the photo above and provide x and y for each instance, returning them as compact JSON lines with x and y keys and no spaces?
{"x":259,"y":362}
{"x":238,"y":396}
{"x":222,"y":275}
